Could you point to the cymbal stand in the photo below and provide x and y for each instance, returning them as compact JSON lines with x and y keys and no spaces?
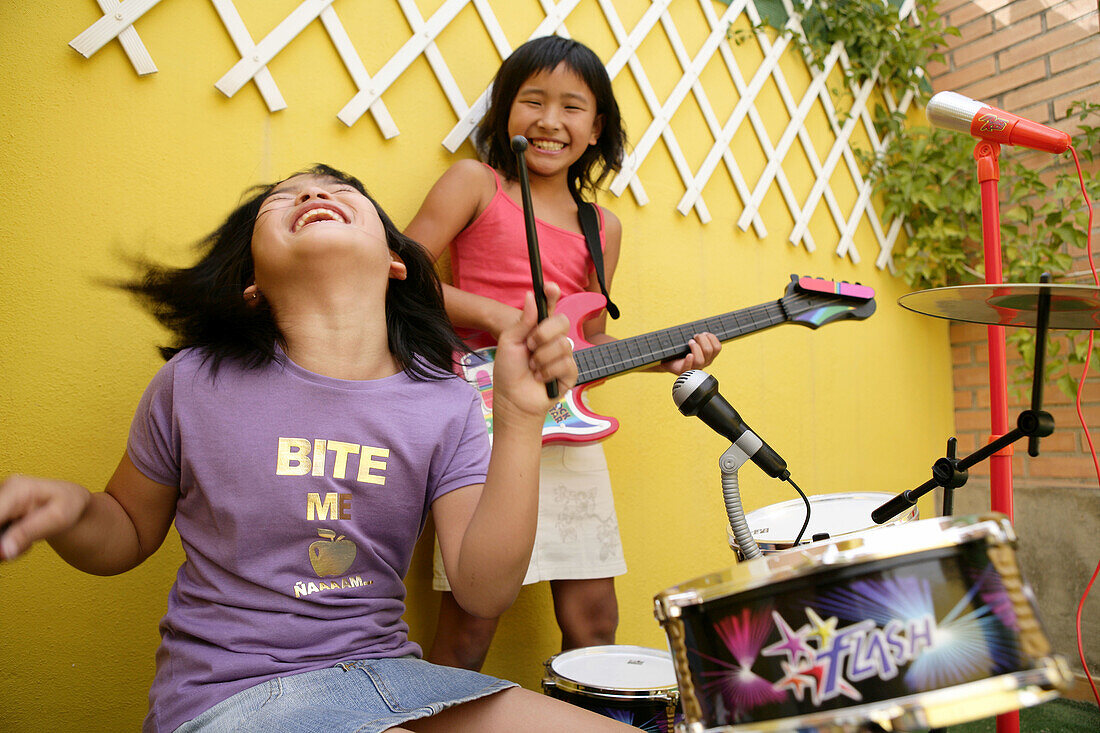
{"x":950,"y":472}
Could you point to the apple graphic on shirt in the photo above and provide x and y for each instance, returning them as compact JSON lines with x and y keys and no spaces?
{"x":332,"y":555}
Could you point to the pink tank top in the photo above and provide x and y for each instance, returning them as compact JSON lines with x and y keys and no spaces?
{"x":489,"y":257}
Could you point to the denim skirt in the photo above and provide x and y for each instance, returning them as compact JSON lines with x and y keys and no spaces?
{"x":364,"y":696}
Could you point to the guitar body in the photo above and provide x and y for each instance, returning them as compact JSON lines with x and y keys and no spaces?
{"x":570,"y":420}
{"x":808,"y":301}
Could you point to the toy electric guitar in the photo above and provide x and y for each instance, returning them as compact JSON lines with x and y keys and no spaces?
{"x":808,"y":301}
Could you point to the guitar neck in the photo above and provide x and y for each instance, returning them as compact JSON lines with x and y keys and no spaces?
{"x":624,"y":355}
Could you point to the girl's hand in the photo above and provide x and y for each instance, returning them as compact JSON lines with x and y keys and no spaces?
{"x":530,"y":354}
{"x":702,"y":350}
{"x":33,"y":509}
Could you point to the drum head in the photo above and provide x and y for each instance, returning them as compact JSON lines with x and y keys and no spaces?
{"x":834,"y":514}
{"x":615,"y":667}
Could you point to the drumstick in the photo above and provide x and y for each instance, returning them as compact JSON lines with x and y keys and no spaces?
{"x":519,"y":147}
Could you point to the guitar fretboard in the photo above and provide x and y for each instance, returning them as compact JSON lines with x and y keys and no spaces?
{"x":606,"y":360}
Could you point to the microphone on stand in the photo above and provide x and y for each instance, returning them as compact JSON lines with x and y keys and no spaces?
{"x":953,"y":111}
{"x":696,"y":393}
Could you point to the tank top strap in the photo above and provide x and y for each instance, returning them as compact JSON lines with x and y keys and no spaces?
{"x":496,"y":177}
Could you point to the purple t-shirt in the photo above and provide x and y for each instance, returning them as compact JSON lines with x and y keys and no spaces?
{"x":301,"y":497}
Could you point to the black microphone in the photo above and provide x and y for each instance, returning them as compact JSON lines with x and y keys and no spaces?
{"x":696,"y":393}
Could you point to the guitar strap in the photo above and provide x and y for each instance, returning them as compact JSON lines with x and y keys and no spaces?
{"x":590,"y":225}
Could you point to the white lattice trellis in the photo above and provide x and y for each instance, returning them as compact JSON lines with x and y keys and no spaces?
{"x":119,"y":17}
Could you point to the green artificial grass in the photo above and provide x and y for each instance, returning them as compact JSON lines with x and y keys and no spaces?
{"x":1056,"y":716}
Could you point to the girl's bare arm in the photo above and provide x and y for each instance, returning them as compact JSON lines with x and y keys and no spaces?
{"x":486,"y":532}
{"x":103,"y":533}
{"x":456,"y":199}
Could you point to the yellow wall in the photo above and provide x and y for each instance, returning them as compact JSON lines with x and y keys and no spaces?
{"x":99,"y":164}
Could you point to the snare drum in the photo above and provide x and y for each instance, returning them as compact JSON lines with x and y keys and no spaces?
{"x":631,"y":684}
{"x":923,"y":624}
{"x":775,"y":526}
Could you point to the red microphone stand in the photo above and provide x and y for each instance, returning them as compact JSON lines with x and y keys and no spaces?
{"x":1000,"y":463}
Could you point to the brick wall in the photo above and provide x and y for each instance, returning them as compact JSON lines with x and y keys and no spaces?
{"x":1033,"y":58}
{"x":1030,"y":57}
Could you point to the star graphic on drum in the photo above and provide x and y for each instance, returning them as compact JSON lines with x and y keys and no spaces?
{"x":793,"y":644}
{"x":796,"y":680}
{"x":821,"y":669}
{"x":824,"y":630}
{"x":818,"y":680}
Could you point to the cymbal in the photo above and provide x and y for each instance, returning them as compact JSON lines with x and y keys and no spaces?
{"x":1010,"y":304}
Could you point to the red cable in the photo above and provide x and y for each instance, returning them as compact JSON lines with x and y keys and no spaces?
{"x":1084,"y":426}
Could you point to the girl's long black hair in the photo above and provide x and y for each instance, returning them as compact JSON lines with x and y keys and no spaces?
{"x":545,"y":54}
{"x":204,"y":307}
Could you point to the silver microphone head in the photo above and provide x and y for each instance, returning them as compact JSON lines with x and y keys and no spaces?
{"x":952,"y":111}
{"x":686,"y":384}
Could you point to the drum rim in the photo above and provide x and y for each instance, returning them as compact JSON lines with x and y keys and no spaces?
{"x":665,"y":692}
{"x":820,"y":499}
{"x":879,"y":543}
{"x":666,"y":695}
{"x":1030,"y":686}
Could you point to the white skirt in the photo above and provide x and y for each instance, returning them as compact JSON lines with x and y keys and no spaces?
{"x":578,"y":533}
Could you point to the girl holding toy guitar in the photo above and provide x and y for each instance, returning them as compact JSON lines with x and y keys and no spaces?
{"x":556,"y":93}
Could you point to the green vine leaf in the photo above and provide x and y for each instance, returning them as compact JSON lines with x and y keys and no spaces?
{"x":772,"y":12}
{"x":926,"y":176}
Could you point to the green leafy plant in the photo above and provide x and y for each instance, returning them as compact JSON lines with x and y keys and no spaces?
{"x":923,"y":177}
{"x":876,"y":39}
{"x":927,"y":176}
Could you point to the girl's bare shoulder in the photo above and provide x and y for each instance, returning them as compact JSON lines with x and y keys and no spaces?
{"x":470,"y":176}
{"x":457,"y":198}
{"x":611,"y":224}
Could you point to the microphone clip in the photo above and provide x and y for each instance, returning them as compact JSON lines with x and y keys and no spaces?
{"x":728,"y":463}
{"x":738,"y":454}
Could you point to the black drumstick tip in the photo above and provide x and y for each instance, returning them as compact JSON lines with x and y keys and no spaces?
{"x":519,"y":144}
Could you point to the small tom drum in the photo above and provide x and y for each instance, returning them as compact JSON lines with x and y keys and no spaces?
{"x":775,"y":527}
{"x":920,"y":625}
{"x":632,"y":684}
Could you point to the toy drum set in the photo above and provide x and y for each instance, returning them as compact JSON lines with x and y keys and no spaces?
{"x":928,"y":623}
